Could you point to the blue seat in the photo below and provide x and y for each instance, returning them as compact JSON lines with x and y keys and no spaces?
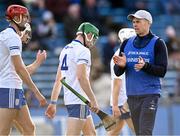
{"x":119,"y":12}
{"x":104,"y":11}
{"x":119,"y":19}
{"x":3,"y":22}
{"x":60,"y":27}
{"x":169,"y":81}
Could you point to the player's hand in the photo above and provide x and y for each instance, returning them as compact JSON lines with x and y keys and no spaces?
{"x":140,"y":64}
{"x":41,"y":56}
{"x":94,"y":107}
{"x":120,"y":60}
{"x":51,"y":111}
{"x":41,"y":99}
{"x":116,"y":111}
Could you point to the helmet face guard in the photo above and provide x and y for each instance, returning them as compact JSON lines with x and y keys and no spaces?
{"x":86,"y":28}
{"x":91,"y":41}
{"x":26,"y":35}
{"x":16,"y":10}
{"x":126,"y":33}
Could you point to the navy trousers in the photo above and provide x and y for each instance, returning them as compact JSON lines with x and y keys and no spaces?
{"x":143,"y":112}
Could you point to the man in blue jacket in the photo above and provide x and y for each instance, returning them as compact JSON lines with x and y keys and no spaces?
{"x":143,"y":58}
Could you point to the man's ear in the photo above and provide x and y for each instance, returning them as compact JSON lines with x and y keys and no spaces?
{"x":89,"y":35}
{"x":16,"y":18}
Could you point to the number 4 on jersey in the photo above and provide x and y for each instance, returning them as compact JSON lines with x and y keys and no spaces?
{"x":64,"y":63}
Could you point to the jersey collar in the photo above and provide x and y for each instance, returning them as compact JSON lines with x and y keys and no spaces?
{"x":77,"y":41}
{"x":12,"y":28}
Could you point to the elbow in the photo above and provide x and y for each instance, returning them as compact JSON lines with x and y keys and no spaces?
{"x":80,"y":77}
{"x":163,"y":73}
{"x":117,"y":70}
{"x":18,"y":70}
{"x":117,"y":73}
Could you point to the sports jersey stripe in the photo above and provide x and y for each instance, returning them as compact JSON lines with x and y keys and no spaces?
{"x":14,"y":47}
{"x":83,"y":60}
{"x":11,"y":97}
{"x":82,"y":111}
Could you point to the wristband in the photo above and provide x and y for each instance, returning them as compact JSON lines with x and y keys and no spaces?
{"x":53,"y":102}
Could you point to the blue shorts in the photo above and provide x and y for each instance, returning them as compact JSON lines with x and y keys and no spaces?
{"x":12,"y":98}
{"x":78,"y":111}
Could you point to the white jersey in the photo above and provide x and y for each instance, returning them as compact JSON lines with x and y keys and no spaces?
{"x":122,"y":94}
{"x":10,"y":45}
{"x":71,"y":56}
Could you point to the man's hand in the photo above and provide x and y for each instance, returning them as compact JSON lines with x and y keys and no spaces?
{"x":94,"y":107}
{"x":120,"y":60}
{"x":41,"y":56}
{"x":41,"y":99}
{"x":140,"y":64}
{"x":116,"y":111}
{"x":51,"y":111}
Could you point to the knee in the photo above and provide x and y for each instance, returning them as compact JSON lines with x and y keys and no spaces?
{"x":91,"y":132}
{"x":30,"y":128}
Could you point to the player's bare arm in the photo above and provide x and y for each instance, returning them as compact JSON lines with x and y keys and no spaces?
{"x":115,"y":94}
{"x":51,"y":109}
{"x":85,"y":84}
{"x":24,"y":75}
{"x":40,"y":58}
